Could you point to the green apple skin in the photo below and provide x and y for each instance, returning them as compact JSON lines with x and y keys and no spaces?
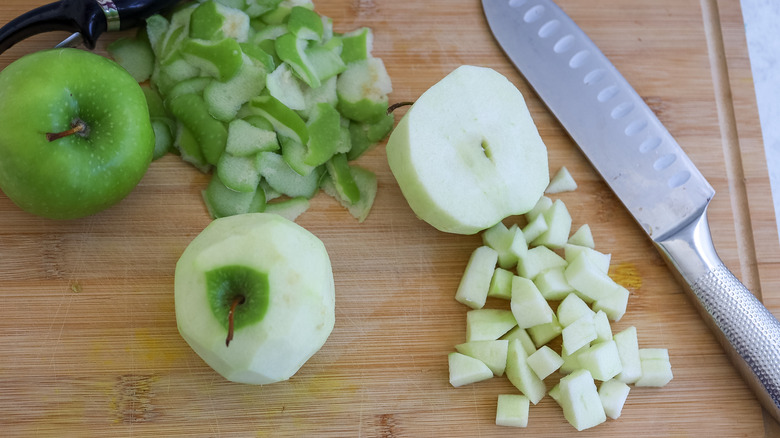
{"x":299,"y":312}
{"x":78,"y":175}
{"x":467,"y":154}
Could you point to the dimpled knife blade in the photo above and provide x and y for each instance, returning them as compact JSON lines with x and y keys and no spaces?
{"x":648,"y":171}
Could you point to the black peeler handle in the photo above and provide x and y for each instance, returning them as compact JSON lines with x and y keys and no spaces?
{"x":90,"y":18}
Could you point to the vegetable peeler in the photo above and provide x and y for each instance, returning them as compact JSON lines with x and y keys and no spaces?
{"x":87,"y":19}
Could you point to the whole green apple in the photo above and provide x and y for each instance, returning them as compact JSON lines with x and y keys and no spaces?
{"x":75,"y":134}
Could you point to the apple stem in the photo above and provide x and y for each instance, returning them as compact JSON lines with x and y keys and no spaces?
{"x":77,"y":126}
{"x":237,"y":301}
{"x":395,"y":106}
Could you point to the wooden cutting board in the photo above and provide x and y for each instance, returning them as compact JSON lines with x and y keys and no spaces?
{"x":88,"y":339}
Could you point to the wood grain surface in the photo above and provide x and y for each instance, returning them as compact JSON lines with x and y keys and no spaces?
{"x":88,"y":338}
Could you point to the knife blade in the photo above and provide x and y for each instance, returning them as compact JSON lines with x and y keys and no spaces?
{"x":648,"y":171}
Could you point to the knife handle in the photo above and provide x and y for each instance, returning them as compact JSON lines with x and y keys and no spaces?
{"x":748,"y":332}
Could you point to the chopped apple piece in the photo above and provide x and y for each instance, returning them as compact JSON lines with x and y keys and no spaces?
{"x":570,"y":362}
{"x":501,"y":238}
{"x":579,"y":333}
{"x":628,"y":349}
{"x":602,"y":360}
{"x":528,"y":305}
{"x":488,"y":324}
{"x":580,"y":401}
{"x":571,"y":309}
{"x":590,"y":282}
{"x":543,"y":204}
{"x":544,"y":333}
{"x":561,"y":182}
{"x":538,"y":260}
{"x":613,"y":394}
{"x":613,"y":303}
{"x":553,"y":285}
{"x":465,"y":370}
{"x":512,"y":410}
{"x":535,"y":228}
{"x":501,"y":284}
{"x":583,"y":237}
{"x":558,"y":226}
{"x":475,"y":283}
{"x":525,"y":339}
{"x":599,"y":259}
{"x":555,"y":393}
{"x":491,"y":353}
{"x":656,"y":367}
{"x":603,"y":327}
{"x":544,"y":361}
{"x":521,"y":375}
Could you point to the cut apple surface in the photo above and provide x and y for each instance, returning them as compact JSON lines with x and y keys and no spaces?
{"x":467,"y":154}
{"x":255,"y":315}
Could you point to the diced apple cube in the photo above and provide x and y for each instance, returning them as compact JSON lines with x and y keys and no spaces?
{"x":603,"y":328}
{"x":553,"y":285}
{"x":579,"y":333}
{"x":544,"y":333}
{"x":512,"y":410}
{"x":583,"y":237}
{"x":474,"y":285}
{"x":656,"y":367}
{"x":538,"y":260}
{"x":590,"y":282}
{"x":628,"y":348}
{"x":544,"y":361}
{"x":491,"y":353}
{"x":528,"y":305}
{"x":602,"y":360}
{"x":465,"y":370}
{"x":555,"y":393}
{"x":500,"y":238}
{"x":524,"y":338}
{"x":580,"y":401}
{"x":613,"y":302}
{"x":535,"y":227}
{"x":496,"y":237}
{"x":542,"y":205}
{"x":501,"y":284}
{"x":518,"y":247}
{"x":488,"y":324}
{"x":570,"y":362}
{"x":613,"y":394}
{"x":600,"y":259}
{"x":572,"y":308}
{"x":561,"y":182}
{"x":521,"y":375}
{"x":558,"y":226}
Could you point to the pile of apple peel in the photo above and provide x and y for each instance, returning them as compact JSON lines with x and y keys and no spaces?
{"x":560,"y":288}
{"x":267,"y":97}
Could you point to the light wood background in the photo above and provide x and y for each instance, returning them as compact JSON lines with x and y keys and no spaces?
{"x":88,"y":339}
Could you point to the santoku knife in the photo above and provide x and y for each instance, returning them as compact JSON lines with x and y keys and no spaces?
{"x":647,"y":170}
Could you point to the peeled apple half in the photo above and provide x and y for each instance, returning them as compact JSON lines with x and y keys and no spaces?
{"x":467,"y":153}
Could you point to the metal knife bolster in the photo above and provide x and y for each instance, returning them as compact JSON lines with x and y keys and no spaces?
{"x":647,"y":170}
